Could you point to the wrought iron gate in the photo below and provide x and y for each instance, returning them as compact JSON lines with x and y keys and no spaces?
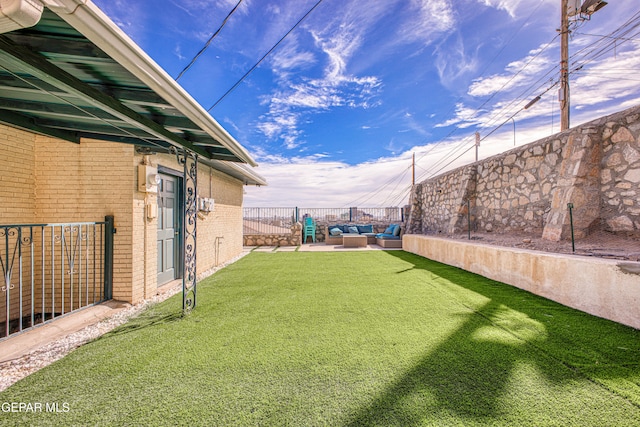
{"x":49,"y":270}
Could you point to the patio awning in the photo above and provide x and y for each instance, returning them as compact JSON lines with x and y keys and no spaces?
{"x":75,"y":74}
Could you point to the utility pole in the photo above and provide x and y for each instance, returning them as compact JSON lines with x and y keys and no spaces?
{"x":583,"y":9}
{"x":563,"y":94}
{"x":477,"y":144}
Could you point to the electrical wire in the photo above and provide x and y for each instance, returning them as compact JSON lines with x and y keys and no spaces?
{"x":384,"y":202}
{"x":368,"y":196}
{"x":606,"y":43}
{"x":495,"y":116}
{"x":206,"y":45}
{"x":504,"y":46}
{"x":591,"y":55}
{"x":463,"y":142}
{"x":263,"y":58}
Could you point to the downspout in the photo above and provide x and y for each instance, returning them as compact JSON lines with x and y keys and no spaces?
{"x":18,"y":14}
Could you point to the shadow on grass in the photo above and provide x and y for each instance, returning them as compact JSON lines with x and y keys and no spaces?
{"x":471,"y":374}
{"x":145,"y":320}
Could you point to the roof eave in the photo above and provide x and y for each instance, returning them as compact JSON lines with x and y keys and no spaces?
{"x":237,"y":170}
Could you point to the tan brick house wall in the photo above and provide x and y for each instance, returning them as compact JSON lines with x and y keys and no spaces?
{"x":45,"y":180}
{"x":17,"y":180}
{"x":220,"y":231}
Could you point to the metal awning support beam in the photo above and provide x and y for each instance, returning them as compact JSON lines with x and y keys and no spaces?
{"x":36,"y":65}
{"x":25,"y":123}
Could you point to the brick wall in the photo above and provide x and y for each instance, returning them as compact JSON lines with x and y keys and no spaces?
{"x":86,"y":182}
{"x":45,"y":180}
{"x":219,"y":231}
{"x":17,"y":180}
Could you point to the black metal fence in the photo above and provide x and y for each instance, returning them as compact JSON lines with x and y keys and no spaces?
{"x":279,"y":220}
{"x":49,"y":270}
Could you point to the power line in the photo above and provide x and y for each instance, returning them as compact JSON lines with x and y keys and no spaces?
{"x":596,"y":51}
{"x":265,"y":55}
{"x":607,"y":37}
{"x":375,"y":192}
{"x":394,"y":188}
{"x":526,"y":21}
{"x":195,"y":58}
{"x":496,"y":114}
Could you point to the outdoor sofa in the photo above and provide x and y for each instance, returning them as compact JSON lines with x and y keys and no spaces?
{"x":333,"y":235}
{"x":390,"y":238}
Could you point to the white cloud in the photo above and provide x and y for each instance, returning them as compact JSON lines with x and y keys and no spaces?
{"x":310,"y":182}
{"x":338,"y":40}
{"x":606,"y":83}
{"x":452,"y":61}
{"x":289,"y":58}
{"x":512,"y":7}
{"x":426,"y":20}
{"x":464,"y":117}
{"x":297,"y":97}
{"x":607,"y":80}
{"x":517,"y":74}
{"x":508,"y":6}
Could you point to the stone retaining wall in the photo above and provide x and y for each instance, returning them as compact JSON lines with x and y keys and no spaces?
{"x":295,"y":237}
{"x":594,"y":167}
{"x":292,"y":239}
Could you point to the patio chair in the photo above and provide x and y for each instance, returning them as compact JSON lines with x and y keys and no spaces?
{"x":309,"y":229}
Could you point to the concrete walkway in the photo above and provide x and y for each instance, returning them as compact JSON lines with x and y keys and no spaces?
{"x":23,"y":343}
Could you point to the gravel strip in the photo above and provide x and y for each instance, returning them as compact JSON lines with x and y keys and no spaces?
{"x":16,"y":369}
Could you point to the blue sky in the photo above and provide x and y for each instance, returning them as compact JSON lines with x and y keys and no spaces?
{"x":335,"y":112}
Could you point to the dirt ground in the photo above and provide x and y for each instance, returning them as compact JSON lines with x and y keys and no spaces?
{"x":599,"y":244}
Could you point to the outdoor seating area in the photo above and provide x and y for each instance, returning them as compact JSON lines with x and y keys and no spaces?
{"x":335,"y":233}
{"x":354,"y":236}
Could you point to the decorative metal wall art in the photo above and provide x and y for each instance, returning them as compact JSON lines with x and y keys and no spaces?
{"x":190,"y":190}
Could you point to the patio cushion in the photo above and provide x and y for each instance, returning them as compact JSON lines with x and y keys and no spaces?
{"x":385,"y":236}
{"x":365,"y":229}
{"x":354,"y":229}
{"x":335,"y":231}
{"x":389,"y":229}
{"x":396,"y":230}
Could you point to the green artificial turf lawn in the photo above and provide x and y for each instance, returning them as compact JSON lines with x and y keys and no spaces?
{"x":346,"y":339}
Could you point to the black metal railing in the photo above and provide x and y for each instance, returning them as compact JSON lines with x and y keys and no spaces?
{"x":279,"y":220}
{"x":49,"y":270}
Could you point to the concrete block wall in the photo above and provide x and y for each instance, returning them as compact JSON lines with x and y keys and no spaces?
{"x":594,"y":167}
